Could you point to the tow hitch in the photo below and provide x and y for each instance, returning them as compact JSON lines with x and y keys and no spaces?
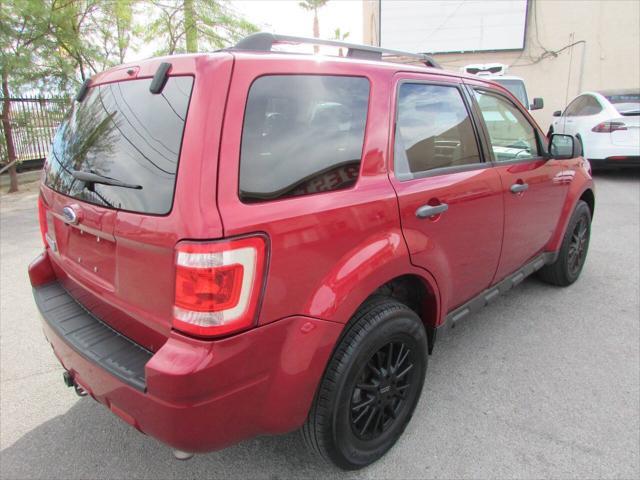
{"x":70,"y":382}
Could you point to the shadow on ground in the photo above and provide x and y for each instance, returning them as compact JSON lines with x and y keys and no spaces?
{"x":89,"y":442}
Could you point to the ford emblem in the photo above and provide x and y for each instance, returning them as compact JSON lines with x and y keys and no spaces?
{"x":70,"y":215}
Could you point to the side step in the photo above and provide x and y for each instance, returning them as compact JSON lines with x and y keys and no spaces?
{"x":495,"y":291}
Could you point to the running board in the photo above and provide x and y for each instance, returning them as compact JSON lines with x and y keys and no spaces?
{"x":490,"y":294}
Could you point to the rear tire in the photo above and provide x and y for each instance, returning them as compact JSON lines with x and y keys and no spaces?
{"x":371,"y":386}
{"x":573,"y":252}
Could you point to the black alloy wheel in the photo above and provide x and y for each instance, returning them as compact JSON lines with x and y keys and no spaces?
{"x":380,"y":393}
{"x":371,"y":385}
{"x":573,"y":252}
{"x":578,"y":246}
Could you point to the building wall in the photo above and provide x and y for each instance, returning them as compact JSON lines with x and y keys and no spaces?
{"x":605,"y":53}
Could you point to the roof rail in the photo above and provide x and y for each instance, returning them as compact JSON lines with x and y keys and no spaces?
{"x":264,"y":41}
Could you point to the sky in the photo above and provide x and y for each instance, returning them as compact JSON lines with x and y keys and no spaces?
{"x":288,"y":18}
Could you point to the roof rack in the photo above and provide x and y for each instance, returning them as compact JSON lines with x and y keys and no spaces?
{"x":264,"y":41}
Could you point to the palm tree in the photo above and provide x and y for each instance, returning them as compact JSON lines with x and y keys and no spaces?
{"x":338,"y":35}
{"x":314,"y":5}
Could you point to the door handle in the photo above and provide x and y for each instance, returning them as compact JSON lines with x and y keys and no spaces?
{"x":519,"y":187}
{"x":427,"y":211}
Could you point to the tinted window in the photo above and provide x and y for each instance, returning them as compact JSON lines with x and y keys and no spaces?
{"x":590,"y":106}
{"x":302,"y":134}
{"x":433,"y":130}
{"x":625,"y":103}
{"x":122,"y":131}
{"x":575,"y":107}
{"x":512,"y":136}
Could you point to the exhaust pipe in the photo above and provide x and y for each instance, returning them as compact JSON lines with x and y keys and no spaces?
{"x":68,"y":380}
{"x":81,"y":392}
{"x":180,"y":455}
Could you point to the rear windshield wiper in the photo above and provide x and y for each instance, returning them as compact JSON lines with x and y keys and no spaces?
{"x":93,"y":178}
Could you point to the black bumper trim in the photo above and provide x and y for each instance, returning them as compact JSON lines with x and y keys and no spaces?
{"x":629,"y":162}
{"x":90,"y":337}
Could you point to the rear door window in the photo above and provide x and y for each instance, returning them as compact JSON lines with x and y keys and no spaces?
{"x":575,"y":108}
{"x":589,"y":106}
{"x":302,"y":134}
{"x":433,"y":130}
{"x":124,"y":132}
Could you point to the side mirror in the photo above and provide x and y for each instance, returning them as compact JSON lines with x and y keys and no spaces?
{"x":564,"y":146}
{"x":557,"y":113}
{"x":538,"y":103}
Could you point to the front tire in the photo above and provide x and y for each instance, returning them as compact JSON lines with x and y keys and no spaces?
{"x":573,"y":252}
{"x":371,"y":386}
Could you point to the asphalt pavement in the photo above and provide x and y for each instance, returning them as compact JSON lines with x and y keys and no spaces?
{"x":543,"y":383}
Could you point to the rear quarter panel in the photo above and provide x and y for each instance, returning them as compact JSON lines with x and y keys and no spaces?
{"x":329,"y":251}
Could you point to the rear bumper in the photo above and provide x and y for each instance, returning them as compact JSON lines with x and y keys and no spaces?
{"x":618,"y":161}
{"x":200,"y":395}
{"x":606,"y":154}
{"x":598,"y":147}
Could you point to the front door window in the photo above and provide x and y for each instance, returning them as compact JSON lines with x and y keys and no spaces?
{"x":512,"y":136}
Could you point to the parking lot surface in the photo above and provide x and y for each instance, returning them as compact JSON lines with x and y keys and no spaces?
{"x":545,"y":382}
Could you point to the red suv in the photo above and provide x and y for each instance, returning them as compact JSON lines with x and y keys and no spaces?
{"x":250,"y":242}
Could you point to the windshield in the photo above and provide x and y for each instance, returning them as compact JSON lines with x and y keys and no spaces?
{"x":626,"y":104}
{"x":516,"y":87}
{"x":124,"y":132}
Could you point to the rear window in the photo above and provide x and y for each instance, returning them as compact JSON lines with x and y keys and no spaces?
{"x":626,"y":103}
{"x":124,"y":132}
{"x":302,"y":134}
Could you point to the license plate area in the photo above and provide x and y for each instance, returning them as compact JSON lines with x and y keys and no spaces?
{"x":90,"y":252}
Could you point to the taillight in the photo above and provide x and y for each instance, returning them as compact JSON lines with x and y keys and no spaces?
{"x":218,"y":285}
{"x":42,"y":218}
{"x":608,"y":127}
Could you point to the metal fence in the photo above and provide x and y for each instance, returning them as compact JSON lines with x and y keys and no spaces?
{"x":34,"y":122}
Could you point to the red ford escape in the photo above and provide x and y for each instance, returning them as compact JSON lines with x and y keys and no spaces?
{"x":250,"y":242}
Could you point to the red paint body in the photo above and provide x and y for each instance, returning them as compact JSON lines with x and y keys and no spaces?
{"x":327,"y":253}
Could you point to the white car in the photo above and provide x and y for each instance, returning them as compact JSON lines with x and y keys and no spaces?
{"x":496,"y":73}
{"x":608,"y":124}
{"x":516,"y":86}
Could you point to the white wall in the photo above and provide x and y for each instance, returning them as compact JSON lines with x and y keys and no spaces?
{"x":607,"y":57}
{"x":452,"y":25}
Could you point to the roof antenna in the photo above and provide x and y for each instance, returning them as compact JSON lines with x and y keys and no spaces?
{"x":160,"y":78}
